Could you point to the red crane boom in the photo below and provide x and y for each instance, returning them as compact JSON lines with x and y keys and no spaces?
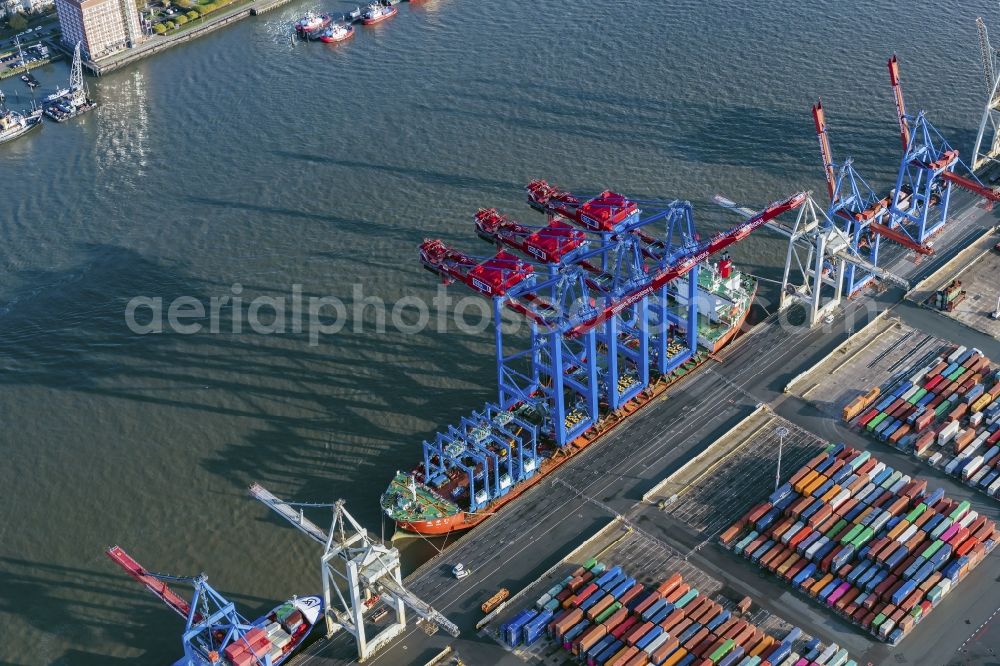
{"x":897,"y":91}
{"x":152,"y":583}
{"x":718,"y":243}
{"x":824,"y":147}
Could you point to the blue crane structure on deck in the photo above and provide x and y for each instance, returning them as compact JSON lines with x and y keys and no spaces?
{"x":212,"y":621}
{"x":600,"y":291}
{"x":928,"y":171}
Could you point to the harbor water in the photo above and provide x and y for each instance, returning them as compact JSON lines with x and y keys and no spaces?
{"x":245,"y":165}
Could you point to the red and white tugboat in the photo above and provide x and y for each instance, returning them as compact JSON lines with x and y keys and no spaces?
{"x":376,"y":13}
{"x":311,"y":22}
{"x":337,"y":32}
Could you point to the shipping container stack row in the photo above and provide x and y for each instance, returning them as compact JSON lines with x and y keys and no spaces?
{"x":945,"y":413}
{"x":864,"y":539}
{"x":604,"y":617}
{"x":947,"y":298}
{"x":272,"y":636}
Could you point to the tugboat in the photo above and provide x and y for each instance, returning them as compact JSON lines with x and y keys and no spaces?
{"x":337,"y":32}
{"x":311,"y":22}
{"x":14,"y":124}
{"x":376,"y":13}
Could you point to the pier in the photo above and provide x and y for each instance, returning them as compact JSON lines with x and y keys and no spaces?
{"x":622,"y":484}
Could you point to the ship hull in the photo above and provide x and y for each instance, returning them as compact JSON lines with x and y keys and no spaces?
{"x":728,"y":336}
{"x":311,"y":608}
{"x":329,"y":39}
{"x":17,"y":135}
{"x":378,"y":19}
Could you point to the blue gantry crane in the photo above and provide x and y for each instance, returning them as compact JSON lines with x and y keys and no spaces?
{"x":929,"y":170}
{"x":212,"y":621}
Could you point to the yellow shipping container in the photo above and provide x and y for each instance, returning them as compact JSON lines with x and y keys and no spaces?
{"x":831,"y":493}
{"x":820,"y":584}
{"x":673,"y":659}
{"x":805,"y":481}
{"x":814,"y":486}
{"x":764,"y":644}
{"x":980,"y":405}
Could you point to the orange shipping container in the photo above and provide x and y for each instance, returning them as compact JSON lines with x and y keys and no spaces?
{"x":668,"y":585}
{"x":677,"y":592}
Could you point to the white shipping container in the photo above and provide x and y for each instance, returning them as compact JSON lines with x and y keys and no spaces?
{"x":948,"y":432}
{"x":952,"y":357}
{"x":880,"y":522}
{"x":876,"y":470}
{"x":888,"y":483}
{"x":899,"y":484}
{"x":935,"y":459}
{"x":840,"y":498}
{"x":967,"y":519}
{"x":907,"y":534}
{"x":864,"y":492}
{"x":975,"y":419}
{"x":910,"y":392}
{"x":980,"y":475}
{"x":971,"y":467}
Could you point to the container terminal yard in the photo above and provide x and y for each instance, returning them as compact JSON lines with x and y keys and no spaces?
{"x":646,"y":466}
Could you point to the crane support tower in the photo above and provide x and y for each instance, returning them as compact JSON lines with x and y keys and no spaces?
{"x":987,"y":147}
{"x":819,"y":258}
{"x":355,"y":569}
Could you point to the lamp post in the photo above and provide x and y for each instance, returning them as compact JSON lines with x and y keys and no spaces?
{"x":781,"y":432}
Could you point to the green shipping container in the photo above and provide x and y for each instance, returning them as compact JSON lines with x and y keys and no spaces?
{"x":917,"y":396}
{"x":722,"y":651}
{"x":942,"y":409}
{"x":955,"y":375}
{"x":960,"y":510}
{"x":916,"y":513}
{"x":589,"y":564}
{"x":863,"y":538}
{"x":608,"y":612}
{"x":879,"y":619}
{"x":850,"y":536}
{"x":841,"y":524}
{"x":931,"y":549}
{"x":875,"y":421}
{"x":687,"y":598}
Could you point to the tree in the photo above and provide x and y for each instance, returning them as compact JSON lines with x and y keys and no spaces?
{"x":192,"y":15}
{"x":181,"y":20}
{"x":17,"y":22}
{"x":159,"y":29}
{"x":171,"y":25}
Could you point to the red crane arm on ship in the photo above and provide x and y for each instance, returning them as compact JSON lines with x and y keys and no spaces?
{"x":152,"y":583}
{"x":493,"y":277}
{"x":718,"y":243}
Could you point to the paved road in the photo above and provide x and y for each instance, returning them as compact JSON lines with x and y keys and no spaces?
{"x":536,"y":532}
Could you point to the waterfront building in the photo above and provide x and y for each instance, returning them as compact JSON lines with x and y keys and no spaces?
{"x":103,"y":27}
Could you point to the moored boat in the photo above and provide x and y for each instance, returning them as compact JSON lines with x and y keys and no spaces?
{"x":376,"y":13}
{"x":337,"y":32}
{"x":284,"y":628}
{"x":311,"y":23}
{"x":14,"y":124}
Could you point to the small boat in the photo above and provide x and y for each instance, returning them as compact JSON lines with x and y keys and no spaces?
{"x":30,"y":80}
{"x":337,"y":32}
{"x":58,"y":95}
{"x":311,"y":22}
{"x":14,"y":124}
{"x":376,"y":13}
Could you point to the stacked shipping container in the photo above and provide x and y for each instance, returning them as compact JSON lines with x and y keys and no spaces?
{"x":864,"y":539}
{"x":609,"y":619}
{"x":944,"y":412}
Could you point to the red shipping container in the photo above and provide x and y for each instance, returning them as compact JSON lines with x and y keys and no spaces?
{"x":633,"y":635}
{"x":671,"y":583}
{"x":683,"y":588}
{"x":624,"y":627}
{"x":675,"y":618}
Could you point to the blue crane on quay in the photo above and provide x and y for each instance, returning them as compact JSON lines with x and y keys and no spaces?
{"x":583,"y":286}
{"x":927,"y":173}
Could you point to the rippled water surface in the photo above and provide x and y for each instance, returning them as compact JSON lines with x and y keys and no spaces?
{"x":246,"y":158}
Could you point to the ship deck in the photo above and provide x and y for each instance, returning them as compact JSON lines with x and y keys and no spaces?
{"x":548,"y":522}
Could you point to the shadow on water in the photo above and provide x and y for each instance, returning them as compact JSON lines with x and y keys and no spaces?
{"x":308,"y":429}
{"x":427,"y":176}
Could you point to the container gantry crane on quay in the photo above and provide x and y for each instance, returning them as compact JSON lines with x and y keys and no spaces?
{"x":364,"y":569}
{"x":213,"y":626}
{"x":930,"y":168}
{"x":580,"y":278}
